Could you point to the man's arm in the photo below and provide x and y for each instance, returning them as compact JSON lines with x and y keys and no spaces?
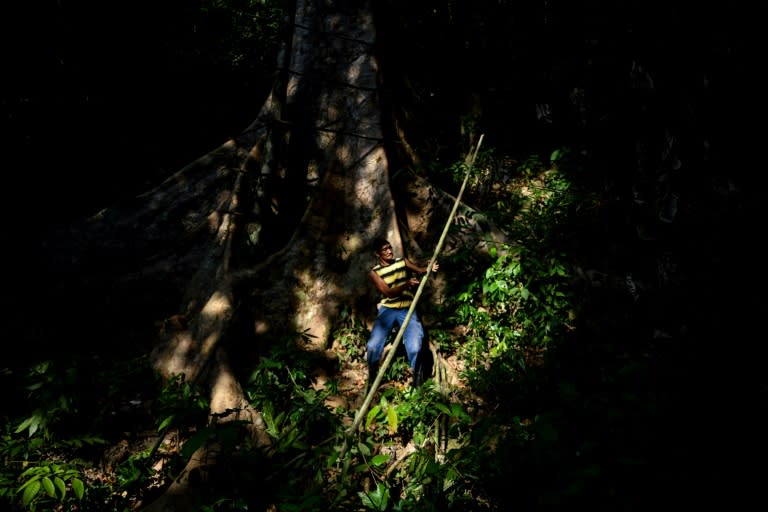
{"x":391,"y":292}
{"x":420,"y":270}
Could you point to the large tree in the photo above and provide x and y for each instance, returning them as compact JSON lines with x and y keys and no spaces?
{"x":267,"y":236}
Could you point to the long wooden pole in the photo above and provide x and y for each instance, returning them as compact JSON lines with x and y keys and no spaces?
{"x":470,"y":161}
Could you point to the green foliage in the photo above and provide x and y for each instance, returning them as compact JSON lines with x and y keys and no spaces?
{"x":66,"y":399}
{"x":33,"y":484}
{"x":425,"y":418}
{"x":294,"y":413}
{"x":49,"y":389}
{"x":48,"y":483}
{"x":453,"y":175}
{"x":31,"y":481}
{"x":351,"y":335}
{"x":180,"y":403}
{"x":377,"y":499}
{"x":521,"y":302}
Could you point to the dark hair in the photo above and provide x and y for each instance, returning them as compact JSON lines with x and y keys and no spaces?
{"x":378,"y":243}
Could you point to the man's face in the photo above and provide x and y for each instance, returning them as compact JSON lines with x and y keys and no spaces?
{"x":385,"y":253}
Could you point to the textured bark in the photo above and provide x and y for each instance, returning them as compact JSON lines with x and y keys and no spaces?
{"x":336,"y":150}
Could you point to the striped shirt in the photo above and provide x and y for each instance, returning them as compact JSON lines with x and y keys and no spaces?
{"x":395,"y":274}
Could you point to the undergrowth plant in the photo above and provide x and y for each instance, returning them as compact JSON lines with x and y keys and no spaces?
{"x":350,"y":335}
{"x":513,"y":308}
{"x":45,"y":450}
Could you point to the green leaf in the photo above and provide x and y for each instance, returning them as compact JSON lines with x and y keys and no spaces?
{"x":359,"y":468}
{"x":30,"y":492}
{"x":78,"y":487}
{"x":371,"y":416}
{"x":442,"y":408}
{"x":197,"y":440}
{"x":60,"y":485}
{"x":167,"y":421}
{"x":332,"y":458}
{"x":376,"y":500}
{"x":392,"y":419}
{"x":31,"y":482}
{"x":50,"y":490}
{"x":34,"y":470}
{"x":457,"y":411}
{"x":379,"y":459}
{"x":34,"y":425}
{"x":24,"y":424}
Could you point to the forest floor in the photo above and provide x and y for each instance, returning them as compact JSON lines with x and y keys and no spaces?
{"x":351,"y":377}
{"x":339,"y":373}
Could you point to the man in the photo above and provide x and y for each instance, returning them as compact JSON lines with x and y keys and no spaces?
{"x":391,"y":277}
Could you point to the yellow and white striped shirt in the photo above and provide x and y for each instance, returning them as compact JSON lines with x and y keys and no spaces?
{"x":395,"y":274}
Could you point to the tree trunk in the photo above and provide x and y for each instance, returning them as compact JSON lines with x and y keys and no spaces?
{"x":317,"y":165}
{"x":334,"y":175}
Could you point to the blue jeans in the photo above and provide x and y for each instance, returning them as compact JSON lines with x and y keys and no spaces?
{"x":386,"y":320}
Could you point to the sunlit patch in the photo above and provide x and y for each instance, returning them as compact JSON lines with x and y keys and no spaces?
{"x":218,"y":304}
{"x":261,"y":327}
{"x":214,"y":219}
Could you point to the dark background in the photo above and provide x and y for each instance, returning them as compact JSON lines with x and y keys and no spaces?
{"x":102,"y":100}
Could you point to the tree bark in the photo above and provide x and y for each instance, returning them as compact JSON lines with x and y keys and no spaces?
{"x":335,"y":174}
